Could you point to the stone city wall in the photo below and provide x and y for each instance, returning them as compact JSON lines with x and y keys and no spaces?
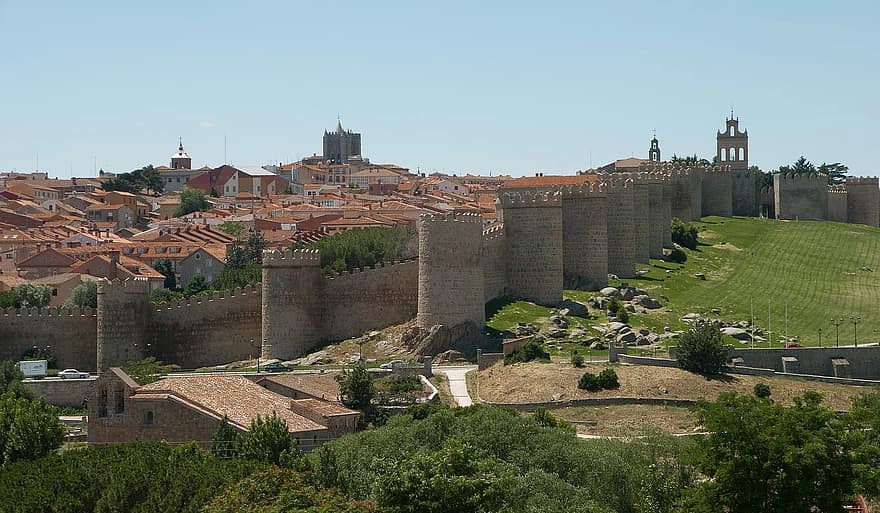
{"x":621,"y":227}
{"x":494,"y":262}
{"x":641,"y":220}
{"x":533,"y":223}
{"x":803,"y":197}
{"x":837,"y":199}
{"x":744,"y":195}
{"x":69,"y":334}
{"x":863,"y":200}
{"x":717,"y":192}
{"x":585,"y":236}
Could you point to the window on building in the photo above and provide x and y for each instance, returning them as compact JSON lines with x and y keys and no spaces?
{"x":723,"y":154}
{"x":102,"y":402}
{"x":742,"y":153}
{"x":731,"y":131}
{"x":120,"y":400}
{"x":148,"y":418}
{"x":54,"y":292}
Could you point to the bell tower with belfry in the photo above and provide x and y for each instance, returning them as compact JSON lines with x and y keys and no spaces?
{"x":654,"y":152}
{"x":733,"y":152}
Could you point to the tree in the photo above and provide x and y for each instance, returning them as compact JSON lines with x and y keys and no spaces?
{"x":267,"y":440}
{"x":197,"y":284}
{"x":239,"y":257}
{"x":161,"y":296}
{"x":191,"y":200}
{"x":761,"y":456}
{"x":836,"y":172}
{"x":165,"y":267}
{"x":10,"y":380}
{"x":225,"y":440}
{"x":28,"y":429}
{"x":233,"y":228}
{"x":32,"y":296}
{"x":363,"y":247}
{"x":85,"y":295}
{"x":701,"y":350}
{"x":356,"y":388}
{"x":145,"y":371}
{"x":144,"y":178}
{"x":801,"y":166}
{"x":684,"y":234}
{"x":762,"y":390}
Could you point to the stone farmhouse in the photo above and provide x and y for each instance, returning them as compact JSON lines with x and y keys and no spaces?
{"x":183,"y":409}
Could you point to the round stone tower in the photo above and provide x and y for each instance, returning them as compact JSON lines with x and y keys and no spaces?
{"x":450,"y":270}
{"x":621,"y":227}
{"x":533,"y":225}
{"x":124,"y":312}
{"x":292,"y":303}
{"x":585,"y":236}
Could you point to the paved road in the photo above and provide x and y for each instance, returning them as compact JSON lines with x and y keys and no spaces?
{"x":457,"y":383}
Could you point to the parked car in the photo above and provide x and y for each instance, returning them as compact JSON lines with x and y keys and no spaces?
{"x":393,"y":364}
{"x":72,"y":374}
{"x":276,"y":367}
{"x":792,"y":344}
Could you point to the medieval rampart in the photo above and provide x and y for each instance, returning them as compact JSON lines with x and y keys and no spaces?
{"x":494,"y":262}
{"x":368,"y":299}
{"x":450,"y":272}
{"x":803,"y":197}
{"x":621,"y":227}
{"x":837,"y":199}
{"x":69,"y":334}
{"x":641,"y":220}
{"x":863,"y":200}
{"x":533,"y":222}
{"x":744,"y":195}
{"x":292,"y":306}
{"x":717,"y":191}
{"x":585,"y":236}
{"x":208,"y":330}
{"x":124,"y":313}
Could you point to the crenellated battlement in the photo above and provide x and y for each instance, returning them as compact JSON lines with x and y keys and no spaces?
{"x":361,"y":271}
{"x":802,"y":177}
{"x":529,"y":199}
{"x":494,"y":231}
{"x":585,"y":190}
{"x":863,"y":180}
{"x":836,"y":189}
{"x":136,"y":285}
{"x":236,"y":293}
{"x":37,"y":313}
{"x":426,"y":220}
{"x":291,"y":258}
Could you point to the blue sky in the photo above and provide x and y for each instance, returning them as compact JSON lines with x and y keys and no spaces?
{"x":451,"y":86}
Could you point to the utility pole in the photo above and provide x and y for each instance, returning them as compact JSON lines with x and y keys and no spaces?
{"x":752,"y":324}
{"x":836,"y":323}
{"x":820,"y":337}
{"x":855,"y":322}
{"x":786,"y":322}
{"x":769,"y":331}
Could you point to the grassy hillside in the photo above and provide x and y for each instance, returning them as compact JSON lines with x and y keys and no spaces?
{"x":820,"y":269}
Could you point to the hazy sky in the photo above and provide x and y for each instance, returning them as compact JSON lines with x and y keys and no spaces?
{"x":483,"y":86}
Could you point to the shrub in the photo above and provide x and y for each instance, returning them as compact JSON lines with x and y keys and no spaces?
{"x":623,"y":315}
{"x":678,"y":256}
{"x":762,"y":390}
{"x":701,"y":350}
{"x":577,"y":360}
{"x":608,"y":379}
{"x":684,"y":234}
{"x":589,"y":382}
{"x":614,"y":306}
{"x":532,"y":350}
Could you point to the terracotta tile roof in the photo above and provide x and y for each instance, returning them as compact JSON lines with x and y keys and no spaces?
{"x":236,"y":397}
{"x":547,"y":181}
{"x":325,"y":408}
{"x":321,"y":386}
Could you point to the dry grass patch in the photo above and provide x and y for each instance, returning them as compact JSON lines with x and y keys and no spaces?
{"x":628,"y":420}
{"x":539,"y":382}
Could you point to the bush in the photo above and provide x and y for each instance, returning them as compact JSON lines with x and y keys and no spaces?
{"x":684,"y":234}
{"x":762,"y":390}
{"x":363,"y":247}
{"x":608,"y":379}
{"x":532,"y":350}
{"x":623,"y":315}
{"x":589,"y":382}
{"x":678,"y":256}
{"x":614,"y":306}
{"x":577,"y":360}
{"x":701,"y":350}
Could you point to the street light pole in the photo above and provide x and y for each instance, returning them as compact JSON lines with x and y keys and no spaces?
{"x":836,"y":323}
{"x":855,"y":322}
{"x":820,"y":337}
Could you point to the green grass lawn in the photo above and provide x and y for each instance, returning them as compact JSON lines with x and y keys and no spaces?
{"x":816,"y":268}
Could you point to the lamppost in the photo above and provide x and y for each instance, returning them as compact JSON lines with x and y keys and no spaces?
{"x":855,"y":322}
{"x":820,"y":337}
{"x":836,"y":323}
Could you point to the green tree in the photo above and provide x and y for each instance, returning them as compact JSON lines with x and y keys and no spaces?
{"x":762,"y":390}
{"x":233,"y":228}
{"x":356,"y":388}
{"x":161,"y":296}
{"x":801,"y":166}
{"x":761,"y":456}
{"x":684,"y":234}
{"x":197,"y":285}
{"x":240,"y":256}
{"x":267,"y":440}
{"x":701,"y":350}
{"x":135,"y":181}
{"x":32,"y":296}
{"x":166,"y":268}
{"x":191,"y":200}
{"x":85,"y":295}
{"x":10,"y":380}
{"x":8,"y":299}
{"x":225,"y":440}
{"x":363,"y":247}
{"x":145,"y":371}
{"x":836,"y":172}
{"x":28,"y":429}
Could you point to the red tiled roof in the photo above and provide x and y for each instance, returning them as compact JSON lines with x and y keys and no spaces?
{"x":548,"y":181}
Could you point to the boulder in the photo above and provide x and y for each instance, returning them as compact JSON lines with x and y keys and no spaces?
{"x":590,"y":341}
{"x":574,"y":308}
{"x":578,"y":333}
{"x":627,"y":294}
{"x":700,"y":276}
{"x":644,"y":331}
{"x":559,"y":320}
{"x":598,"y":345}
{"x":610,"y":292}
{"x":642,"y":341}
{"x":647,"y":301}
{"x":629,"y":307}
{"x":557,"y":333}
{"x":616,"y":326}
{"x":691,"y":317}
{"x":627,"y":337}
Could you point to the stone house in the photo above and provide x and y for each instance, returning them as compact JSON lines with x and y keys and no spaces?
{"x":185,"y":409}
{"x":111,"y":217}
{"x":209,"y":262}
